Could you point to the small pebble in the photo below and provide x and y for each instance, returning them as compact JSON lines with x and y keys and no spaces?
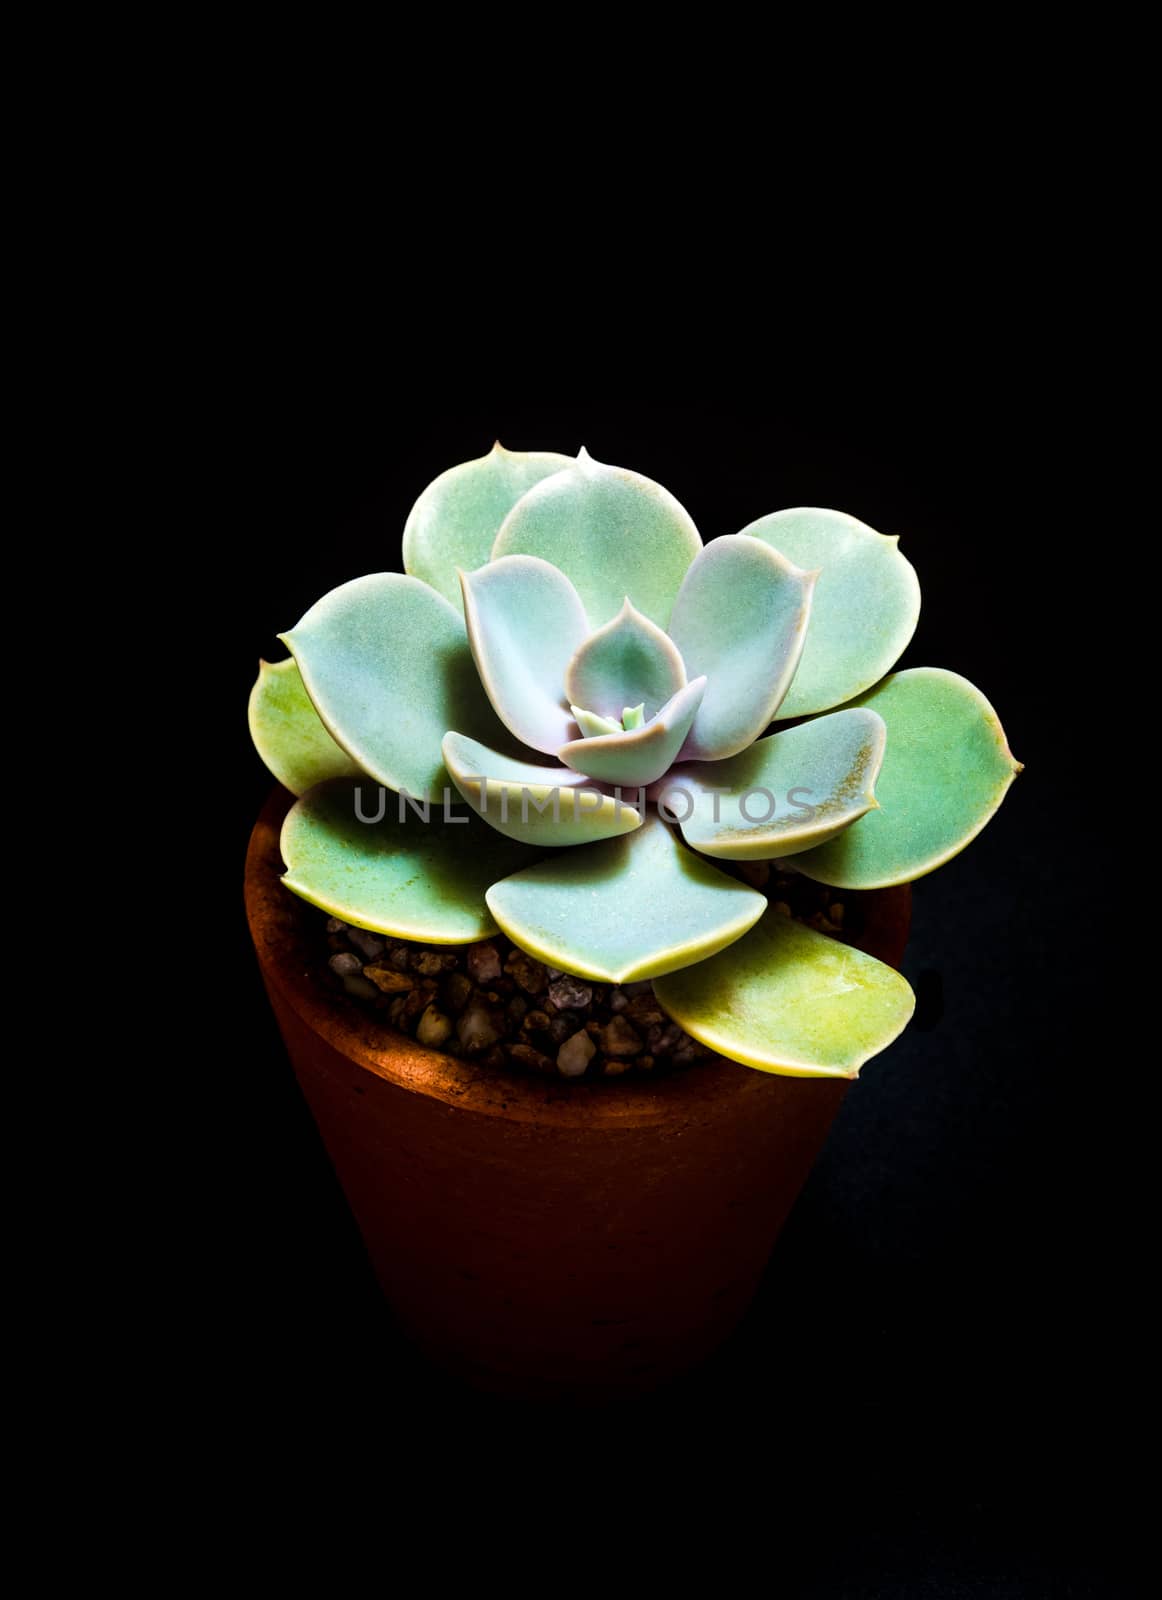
{"x":575,"y":1054}
{"x":430,"y":963}
{"x":501,"y":1007}
{"x":457,"y":990}
{"x":529,"y":973}
{"x":525,"y":1056}
{"x":359,"y":987}
{"x":388,"y":979}
{"x":619,"y":1039}
{"x":483,"y":962}
{"x":415,"y":1002}
{"x":477,"y":1028}
{"x":570,"y":994}
{"x":663,"y":1038}
{"x":434,"y":1028}
{"x":369,"y":945}
{"x":644,"y":1010}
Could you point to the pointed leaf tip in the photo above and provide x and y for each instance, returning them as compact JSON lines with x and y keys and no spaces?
{"x":864,"y":607}
{"x":366,"y":652}
{"x":627,"y":660}
{"x":613,"y":532}
{"x":288,"y":732}
{"x":456,"y":518}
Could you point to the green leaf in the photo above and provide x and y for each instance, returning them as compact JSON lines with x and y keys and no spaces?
{"x":413,"y":879}
{"x":637,"y":756}
{"x":524,"y":623}
{"x":625,"y":909}
{"x":865,"y":609}
{"x":287,"y":732}
{"x":789,"y":1000}
{"x":740,"y":619}
{"x":591,"y":724}
{"x":946,"y":770}
{"x":628,"y":660}
{"x":613,"y":532}
{"x":814,"y":780}
{"x":386,"y":662}
{"x":547,"y":806}
{"x":455,"y":521}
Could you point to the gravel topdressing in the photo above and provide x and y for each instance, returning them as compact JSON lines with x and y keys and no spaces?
{"x":498,"y":1006}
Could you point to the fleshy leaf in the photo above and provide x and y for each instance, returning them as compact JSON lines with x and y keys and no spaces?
{"x":633,"y":716}
{"x":547,"y":806}
{"x":625,"y":909}
{"x":789,"y":1000}
{"x":628,"y":660}
{"x":866,"y":604}
{"x":524,"y":623}
{"x":455,"y":521}
{"x":946,"y":770}
{"x":815,"y":780}
{"x":386,"y":663}
{"x":639,"y":755}
{"x":414,"y":879}
{"x":613,"y":532}
{"x":592,"y":725}
{"x":740,"y":618}
{"x":288,"y":733}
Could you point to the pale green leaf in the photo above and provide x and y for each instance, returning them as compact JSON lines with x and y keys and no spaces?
{"x":786,"y":999}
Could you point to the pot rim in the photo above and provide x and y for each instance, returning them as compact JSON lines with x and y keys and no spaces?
{"x":277,"y":921}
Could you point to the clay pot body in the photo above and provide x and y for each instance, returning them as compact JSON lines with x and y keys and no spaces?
{"x":542,"y":1236}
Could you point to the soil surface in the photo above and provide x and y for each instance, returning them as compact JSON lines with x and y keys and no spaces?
{"x":494,"y":1004}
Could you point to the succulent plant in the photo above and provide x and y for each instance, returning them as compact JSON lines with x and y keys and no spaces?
{"x":566,"y":657}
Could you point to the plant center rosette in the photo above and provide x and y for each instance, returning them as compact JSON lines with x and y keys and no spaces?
{"x":570,"y":698}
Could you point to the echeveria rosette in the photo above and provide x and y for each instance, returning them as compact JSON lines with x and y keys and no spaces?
{"x":565,"y":656}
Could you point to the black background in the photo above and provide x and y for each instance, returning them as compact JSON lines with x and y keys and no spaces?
{"x":934,"y":1392}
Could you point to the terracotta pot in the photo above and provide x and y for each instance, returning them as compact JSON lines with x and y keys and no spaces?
{"x":541,"y":1236}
